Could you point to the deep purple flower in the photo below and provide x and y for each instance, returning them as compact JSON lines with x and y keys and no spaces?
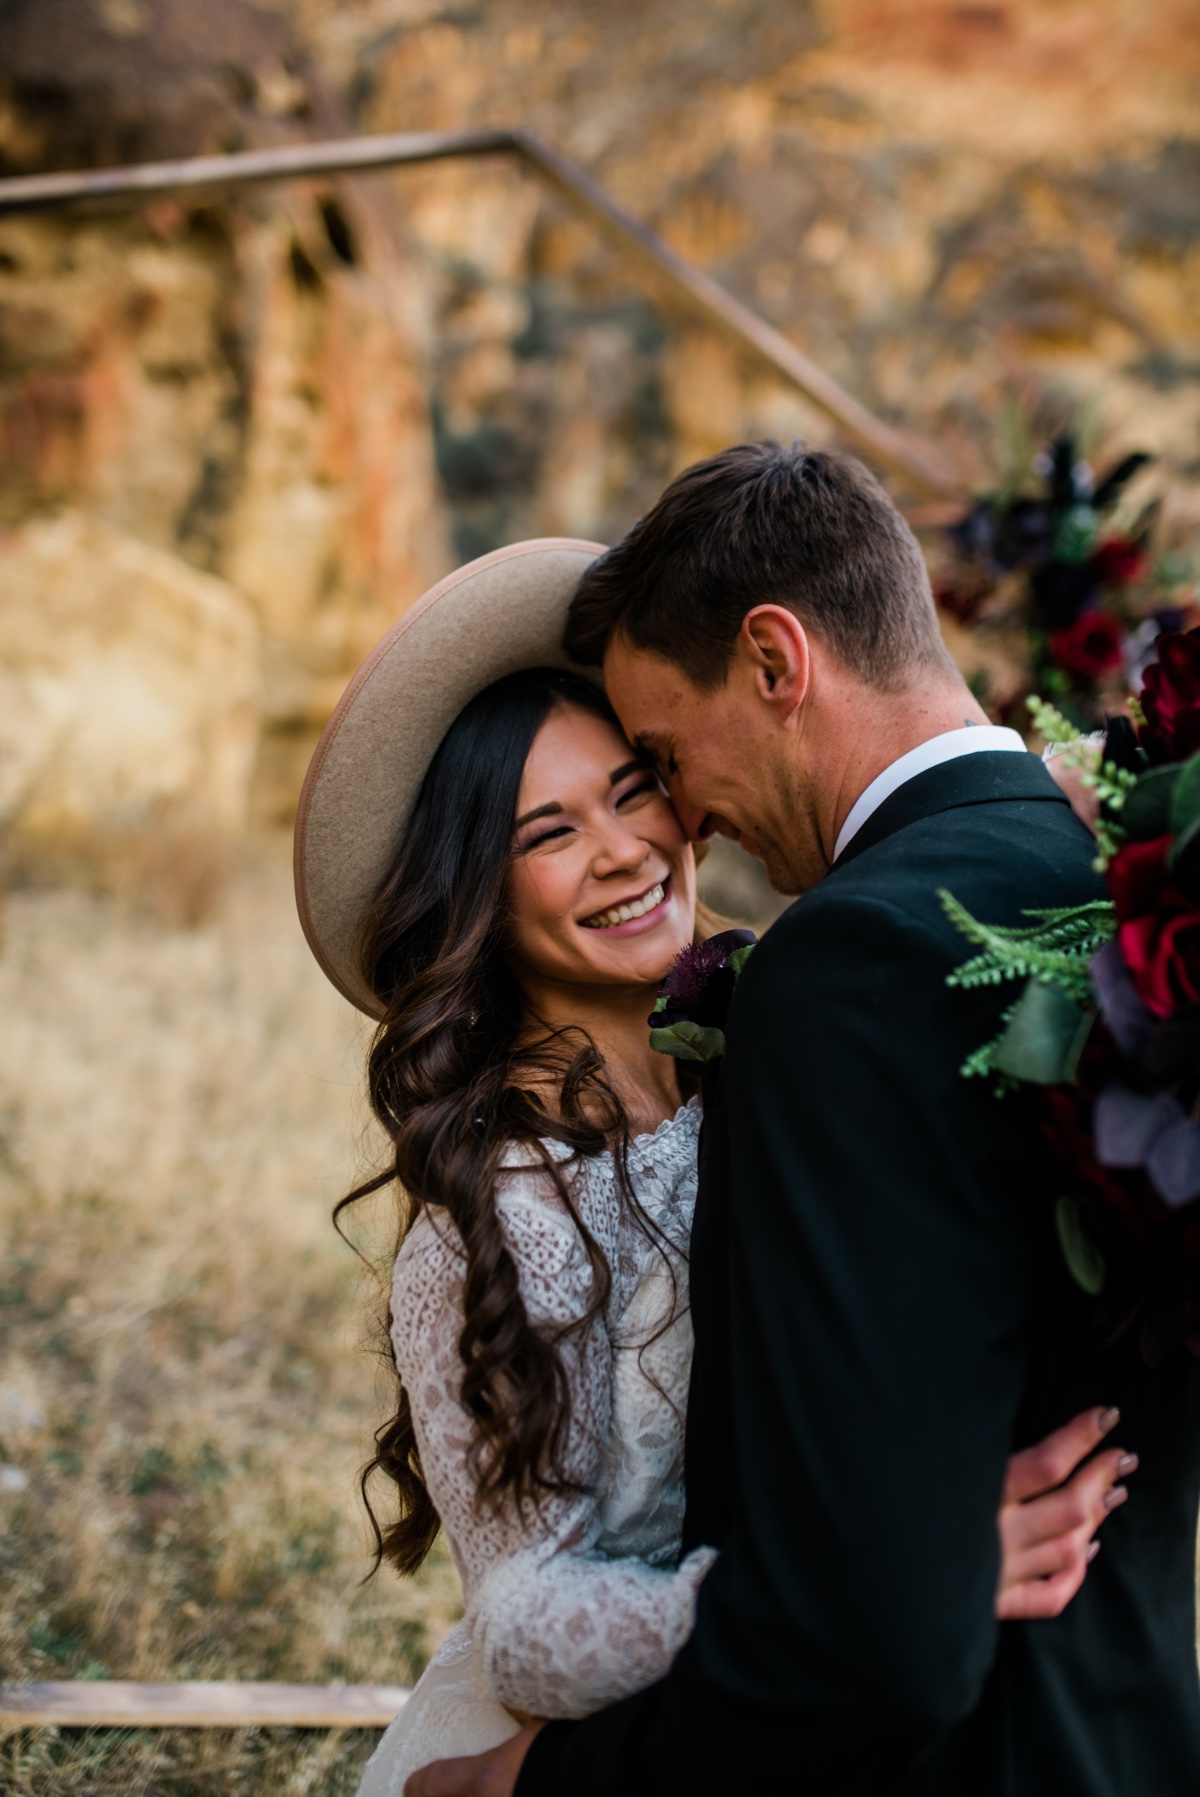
{"x":700,"y":984}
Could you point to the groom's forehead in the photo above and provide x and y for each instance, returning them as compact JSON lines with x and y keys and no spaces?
{"x":649,"y":693}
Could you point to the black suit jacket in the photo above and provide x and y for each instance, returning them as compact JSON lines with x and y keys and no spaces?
{"x":882,"y":1314}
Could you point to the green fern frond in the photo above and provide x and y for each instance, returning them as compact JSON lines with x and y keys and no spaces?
{"x":979,"y":1064}
{"x":1056,"y":949}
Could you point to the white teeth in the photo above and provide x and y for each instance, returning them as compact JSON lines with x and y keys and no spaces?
{"x":608,"y":920}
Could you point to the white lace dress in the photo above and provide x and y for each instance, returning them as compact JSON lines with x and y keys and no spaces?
{"x":582,"y":1604}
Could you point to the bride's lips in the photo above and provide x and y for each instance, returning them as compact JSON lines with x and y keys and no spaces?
{"x":600,"y":922}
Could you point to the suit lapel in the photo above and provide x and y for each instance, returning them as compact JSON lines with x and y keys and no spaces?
{"x":986,"y":778}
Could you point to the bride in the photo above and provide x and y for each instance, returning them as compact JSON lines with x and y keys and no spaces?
{"x":486,"y":865}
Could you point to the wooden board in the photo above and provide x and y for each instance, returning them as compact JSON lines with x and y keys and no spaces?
{"x":102,"y":1703}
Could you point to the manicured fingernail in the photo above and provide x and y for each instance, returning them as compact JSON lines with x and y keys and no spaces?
{"x":1107,"y":1419}
{"x":1128,"y":1463}
{"x":1093,"y":1550}
{"x":1115,"y":1497}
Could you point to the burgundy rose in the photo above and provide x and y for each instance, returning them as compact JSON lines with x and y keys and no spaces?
{"x":1162,"y":951}
{"x":1120,"y":560}
{"x":1158,"y":929}
{"x":1091,"y":646}
{"x":1170,"y":698}
{"x":1137,"y":875}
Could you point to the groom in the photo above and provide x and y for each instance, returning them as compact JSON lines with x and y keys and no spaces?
{"x":881,"y":1308}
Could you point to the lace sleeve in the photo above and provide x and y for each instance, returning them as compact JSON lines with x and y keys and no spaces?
{"x":568,"y":1634}
{"x":562,"y":1629}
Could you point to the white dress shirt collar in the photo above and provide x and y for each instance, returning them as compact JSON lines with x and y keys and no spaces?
{"x":947,"y":747}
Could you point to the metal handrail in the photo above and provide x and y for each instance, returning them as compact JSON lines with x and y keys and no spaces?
{"x":914,"y":457}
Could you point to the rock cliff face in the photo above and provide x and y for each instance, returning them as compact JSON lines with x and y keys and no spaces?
{"x":318,"y":393}
{"x":947,"y":206}
{"x":239,"y":386}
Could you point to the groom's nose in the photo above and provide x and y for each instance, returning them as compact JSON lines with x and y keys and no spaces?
{"x":698,"y":825}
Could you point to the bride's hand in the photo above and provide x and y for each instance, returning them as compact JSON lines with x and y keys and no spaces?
{"x":1052,"y":1507}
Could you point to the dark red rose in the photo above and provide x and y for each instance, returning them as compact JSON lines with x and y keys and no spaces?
{"x":1089,"y":647}
{"x":1162,"y":952}
{"x":1158,"y":929}
{"x":1170,"y":698}
{"x":1120,"y":560}
{"x":1137,"y":875}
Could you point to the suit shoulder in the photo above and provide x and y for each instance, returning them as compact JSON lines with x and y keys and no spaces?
{"x":837,"y":930}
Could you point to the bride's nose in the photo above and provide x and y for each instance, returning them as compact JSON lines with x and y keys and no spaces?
{"x":619,"y":850}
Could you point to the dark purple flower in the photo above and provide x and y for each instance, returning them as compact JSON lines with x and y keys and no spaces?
{"x":700,"y":984}
{"x":1061,"y":590}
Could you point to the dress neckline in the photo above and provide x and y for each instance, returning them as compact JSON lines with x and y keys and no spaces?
{"x":668,"y":1123}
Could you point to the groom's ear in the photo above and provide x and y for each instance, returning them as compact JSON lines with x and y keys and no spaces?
{"x":776,"y":647}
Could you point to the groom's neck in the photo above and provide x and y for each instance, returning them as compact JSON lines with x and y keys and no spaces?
{"x":853,"y":732}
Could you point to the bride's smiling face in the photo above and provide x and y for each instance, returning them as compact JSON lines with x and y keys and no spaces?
{"x":603,"y":879}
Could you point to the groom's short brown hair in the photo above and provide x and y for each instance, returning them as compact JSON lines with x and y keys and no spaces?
{"x":760,"y":524}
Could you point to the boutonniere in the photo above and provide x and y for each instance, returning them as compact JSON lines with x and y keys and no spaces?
{"x":688,"y":1020}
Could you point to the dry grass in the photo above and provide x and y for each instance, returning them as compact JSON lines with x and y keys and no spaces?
{"x":183,"y":1386}
{"x":182,"y":1382}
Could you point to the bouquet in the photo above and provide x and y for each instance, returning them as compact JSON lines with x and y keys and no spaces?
{"x":1107,"y":1024}
{"x":1061,"y":556}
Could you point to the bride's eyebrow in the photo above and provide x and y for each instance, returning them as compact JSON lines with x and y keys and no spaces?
{"x":553,"y":809}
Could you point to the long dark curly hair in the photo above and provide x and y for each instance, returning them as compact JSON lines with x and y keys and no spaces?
{"x":454,"y":1078}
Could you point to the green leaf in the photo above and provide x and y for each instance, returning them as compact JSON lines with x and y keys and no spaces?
{"x":1185,"y":800}
{"x":660,"y":1003}
{"x":1147,"y":808}
{"x":740,"y":956}
{"x":689,"y":1041}
{"x":1085,"y":1263}
{"x":1044,"y":1038}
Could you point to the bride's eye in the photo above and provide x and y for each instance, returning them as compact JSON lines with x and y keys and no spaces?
{"x":649,"y":784}
{"x":535,"y":842}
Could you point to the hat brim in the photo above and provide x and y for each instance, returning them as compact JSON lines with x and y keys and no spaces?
{"x":498,"y":614}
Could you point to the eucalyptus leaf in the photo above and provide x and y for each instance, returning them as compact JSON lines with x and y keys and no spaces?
{"x":1147,"y":808}
{"x":689,"y":1041}
{"x":1185,"y":800}
{"x":1044,"y":1038}
{"x":1085,"y":1263}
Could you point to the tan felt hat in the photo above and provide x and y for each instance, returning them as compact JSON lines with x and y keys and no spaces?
{"x":501,"y":613}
